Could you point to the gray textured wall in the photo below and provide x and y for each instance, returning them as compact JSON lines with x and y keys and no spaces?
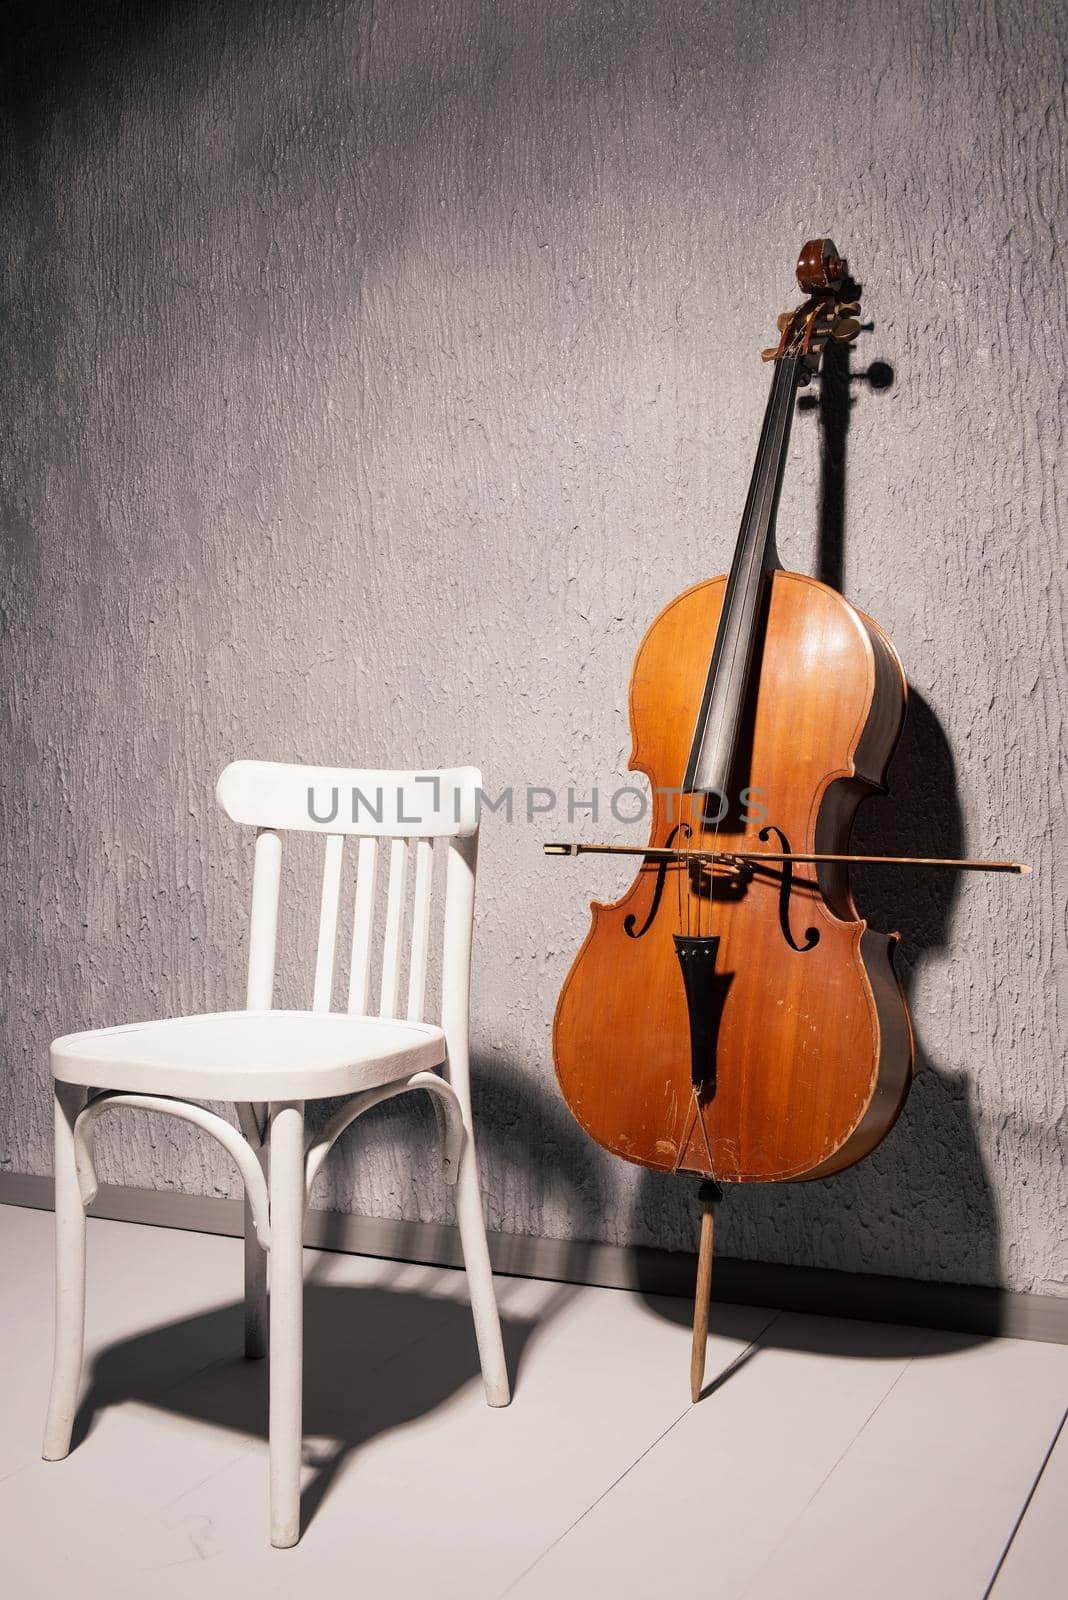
{"x":375,"y":373}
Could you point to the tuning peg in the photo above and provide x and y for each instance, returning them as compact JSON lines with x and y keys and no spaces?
{"x":783,"y":320}
{"x":846,"y":308}
{"x":769,"y":355}
{"x":845,"y":329}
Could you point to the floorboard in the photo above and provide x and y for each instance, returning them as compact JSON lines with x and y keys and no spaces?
{"x":1035,"y":1565}
{"x":701,"y":1513}
{"x":934,"y":1482}
{"x":827,"y":1458}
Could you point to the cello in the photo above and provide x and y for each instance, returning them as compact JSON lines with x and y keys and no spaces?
{"x":733,"y":1016}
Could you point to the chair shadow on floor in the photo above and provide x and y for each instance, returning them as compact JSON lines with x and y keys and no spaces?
{"x":375,"y":1358}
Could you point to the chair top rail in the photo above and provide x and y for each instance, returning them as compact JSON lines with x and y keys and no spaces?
{"x":435,"y":804}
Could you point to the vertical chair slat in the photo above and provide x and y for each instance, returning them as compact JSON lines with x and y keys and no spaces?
{"x":362,"y":921}
{"x":324,"y":960}
{"x":456,"y":943}
{"x":263,"y":928}
{"x":424,"y":868}
{"x":259,"y":992}
{"x":391,"y":943}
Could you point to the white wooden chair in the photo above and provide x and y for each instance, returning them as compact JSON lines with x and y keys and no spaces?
{"x":270,"y":1062}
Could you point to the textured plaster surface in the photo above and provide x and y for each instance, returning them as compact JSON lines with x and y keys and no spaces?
{"x":374,"y":374}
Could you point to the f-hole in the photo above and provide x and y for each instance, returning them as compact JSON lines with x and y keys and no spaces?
{"x":812,"y":936}
{"x":661,"y":877}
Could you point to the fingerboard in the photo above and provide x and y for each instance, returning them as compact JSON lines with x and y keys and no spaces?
{"x":715,"y":736}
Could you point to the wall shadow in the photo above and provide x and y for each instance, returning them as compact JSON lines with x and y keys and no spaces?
{"x":531,"y":1153}
{"x":931,"y":1158}
{"x":525,"y":1128}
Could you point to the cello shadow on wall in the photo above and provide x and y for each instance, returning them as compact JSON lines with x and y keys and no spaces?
{"x":920,"y":1206}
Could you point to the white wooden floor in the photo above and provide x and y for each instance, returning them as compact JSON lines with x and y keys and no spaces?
{"x":831,"y":1459}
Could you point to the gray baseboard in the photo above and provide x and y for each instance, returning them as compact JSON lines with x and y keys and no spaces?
{"x":964,"y":1308}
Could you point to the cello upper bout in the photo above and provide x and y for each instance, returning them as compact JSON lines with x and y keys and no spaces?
{"x":819,"y":678}
{"x":675,"y":650}
{"x":886,"y":719}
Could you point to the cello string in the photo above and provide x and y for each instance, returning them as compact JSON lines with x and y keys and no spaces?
{"x":693,"y":891}
{"x":678,"y":881}
{"x":698,"y":898}
{"x":684,"y":867}
{"x":687,"y":835}
{"x":680,"y":840}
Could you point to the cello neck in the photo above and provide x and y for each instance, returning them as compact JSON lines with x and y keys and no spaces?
{"x":715,"y":735}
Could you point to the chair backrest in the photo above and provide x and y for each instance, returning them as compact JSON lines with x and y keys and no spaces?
{"x":398,"y":814}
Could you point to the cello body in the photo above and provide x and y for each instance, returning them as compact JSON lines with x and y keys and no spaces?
{"x":812,"y":1043}
{"x":733,"y":1015}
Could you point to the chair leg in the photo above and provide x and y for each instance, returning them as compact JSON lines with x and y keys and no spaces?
{"x":255,"y":1291}
{"x":480,"y":1278}
{"x":252,"y":1119}
{"x":70,"y":1278}
{"x":286,"y":1316}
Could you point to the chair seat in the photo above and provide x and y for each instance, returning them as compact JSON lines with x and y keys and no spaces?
{"x":249,"y":1055}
